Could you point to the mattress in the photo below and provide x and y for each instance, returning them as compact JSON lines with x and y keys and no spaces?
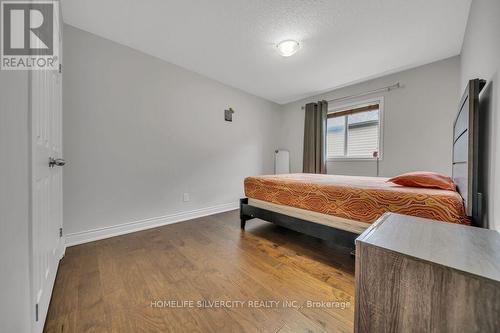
{"x":362,"y":199}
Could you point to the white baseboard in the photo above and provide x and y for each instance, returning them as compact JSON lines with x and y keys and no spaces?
{"x":125,"y":228}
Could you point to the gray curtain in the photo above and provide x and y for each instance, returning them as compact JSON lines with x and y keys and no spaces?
{"x":315,"y":137}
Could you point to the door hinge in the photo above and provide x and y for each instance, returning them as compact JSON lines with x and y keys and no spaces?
{"x":36,"y":312}
{"x":60,"y":232}
{"x":60,"y":68}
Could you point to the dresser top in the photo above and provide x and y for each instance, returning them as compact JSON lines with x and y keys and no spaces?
{"x":468,"y":249}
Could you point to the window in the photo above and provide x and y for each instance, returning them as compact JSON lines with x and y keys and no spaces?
{"x":354,"y":131}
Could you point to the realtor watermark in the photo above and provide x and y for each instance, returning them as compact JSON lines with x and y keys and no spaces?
{"x":257,"y":303}
{"x":29,"y":35}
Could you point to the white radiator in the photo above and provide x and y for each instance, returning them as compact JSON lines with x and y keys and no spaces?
{"x":281,"y":161}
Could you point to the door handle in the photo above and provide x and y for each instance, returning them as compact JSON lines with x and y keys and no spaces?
{"x":56,"y":162}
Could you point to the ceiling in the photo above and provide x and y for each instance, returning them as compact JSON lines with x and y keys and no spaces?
{"x":233,"y":41}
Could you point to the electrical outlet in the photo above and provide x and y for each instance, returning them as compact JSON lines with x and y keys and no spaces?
{"x":185,"y":197}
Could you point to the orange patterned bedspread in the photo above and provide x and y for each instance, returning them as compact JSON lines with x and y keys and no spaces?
{"x":356,"y":198}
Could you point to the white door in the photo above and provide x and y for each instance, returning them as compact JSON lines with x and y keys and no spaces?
{"x":46,"y":229}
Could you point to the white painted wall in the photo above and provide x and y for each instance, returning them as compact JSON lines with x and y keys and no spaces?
{"x":480,"y":58}
{"x":139,"y":132}
{"x":418,"y":121}
{"x":15,"y":308}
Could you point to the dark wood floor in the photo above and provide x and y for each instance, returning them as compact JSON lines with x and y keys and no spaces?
{"x":109,"y":285}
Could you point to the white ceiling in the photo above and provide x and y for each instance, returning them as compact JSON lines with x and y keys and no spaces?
{"x":233,"y":41}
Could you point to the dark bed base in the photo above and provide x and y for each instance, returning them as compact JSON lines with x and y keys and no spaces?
{"x":341,"y":237}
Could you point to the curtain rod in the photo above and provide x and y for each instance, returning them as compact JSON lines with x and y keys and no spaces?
{"x":388,"y":88}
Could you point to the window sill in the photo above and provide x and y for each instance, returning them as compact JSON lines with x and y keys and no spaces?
{"x":352,"y":159}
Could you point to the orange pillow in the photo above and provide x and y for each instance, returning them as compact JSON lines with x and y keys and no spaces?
{"x":424,"y":179}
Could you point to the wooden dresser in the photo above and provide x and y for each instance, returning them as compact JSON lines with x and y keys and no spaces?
{"x":420,"y":275}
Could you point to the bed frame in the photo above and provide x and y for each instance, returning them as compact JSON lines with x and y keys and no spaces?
{"x":465,"y":174}
{"x":466,"y":170}
{"x":342,"y":237}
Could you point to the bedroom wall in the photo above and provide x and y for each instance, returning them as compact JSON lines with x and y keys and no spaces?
{"x":480,"y":58}
{"x":418,"y":122}
{"x":139,"y":132}
{"x":15,"y":306}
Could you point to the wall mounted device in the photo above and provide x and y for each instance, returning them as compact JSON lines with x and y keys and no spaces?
{"x":281,"y":161}
{"x":228,"y":114}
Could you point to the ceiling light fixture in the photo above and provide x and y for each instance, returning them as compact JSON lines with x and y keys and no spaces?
{"x":288,"y":47}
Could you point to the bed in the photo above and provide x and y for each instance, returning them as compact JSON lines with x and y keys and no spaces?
{"x":339,"y":208}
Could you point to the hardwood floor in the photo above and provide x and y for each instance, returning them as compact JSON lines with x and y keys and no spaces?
{"x":112,"y":285}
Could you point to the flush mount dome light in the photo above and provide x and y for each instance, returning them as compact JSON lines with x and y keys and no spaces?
{"x":288,"y":47}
